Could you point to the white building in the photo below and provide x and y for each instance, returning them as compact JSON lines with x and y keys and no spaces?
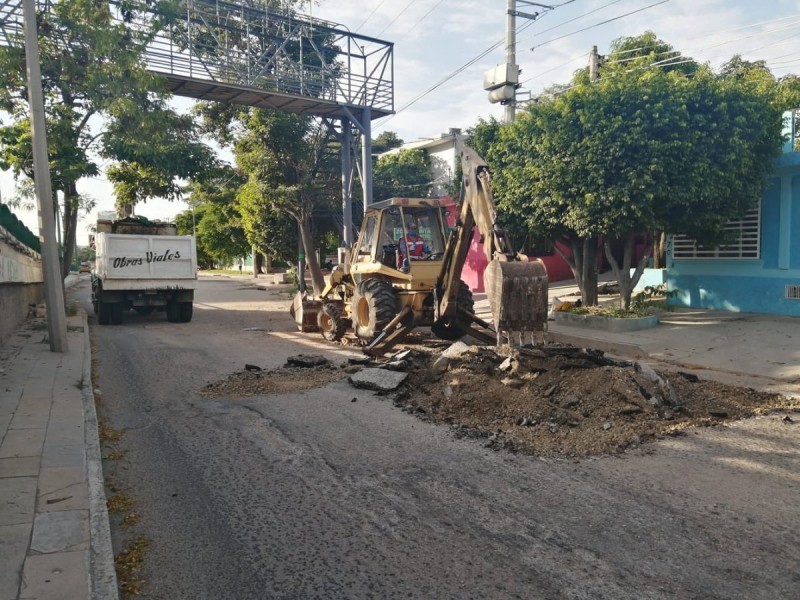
{"x":444,"y":152}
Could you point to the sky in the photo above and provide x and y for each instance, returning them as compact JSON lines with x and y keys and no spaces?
{"x":434,"y":39}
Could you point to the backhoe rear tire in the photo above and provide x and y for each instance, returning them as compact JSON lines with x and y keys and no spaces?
{"x":374,"y":306}
{"x":330,"y":322}
{"x":456,"y":327}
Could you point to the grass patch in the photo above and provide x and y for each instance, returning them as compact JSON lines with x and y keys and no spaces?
{"x":610,"y":311}
{"x":131,"y":519}
{"x":119,"y":503}
{"x":114,"y":456}
{"x":108,"y":433}
{"x":224,"y":272}
{"x":129,"y":564}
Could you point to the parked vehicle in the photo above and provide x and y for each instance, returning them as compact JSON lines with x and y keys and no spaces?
{"x":85,"y":267}
{"x":143,"y":266}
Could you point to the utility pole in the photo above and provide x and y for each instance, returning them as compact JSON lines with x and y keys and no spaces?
{"x":502,"y":81}
{"x":511,"y":55}
{"x":594,"y":64}
{"x":53,"y":284}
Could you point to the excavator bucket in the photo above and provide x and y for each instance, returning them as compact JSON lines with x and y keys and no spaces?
{"x":517,"y":292}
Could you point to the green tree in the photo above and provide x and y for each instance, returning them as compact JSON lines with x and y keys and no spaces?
{"x":641,"y":150}
{"x":153,"y":146}
{"x":215,"y":219}
{"x":406,"y":173}
{"x":288,"y":174}
{"x":388,"y":140}
{"x":89,"y":64}
{"x":100,"y":100}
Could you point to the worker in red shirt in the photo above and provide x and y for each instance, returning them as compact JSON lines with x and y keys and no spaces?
{"x":411,"y":246}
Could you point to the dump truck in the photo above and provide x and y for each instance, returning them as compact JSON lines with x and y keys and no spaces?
{"x":391,"y":283}
{"x":142,"y":266}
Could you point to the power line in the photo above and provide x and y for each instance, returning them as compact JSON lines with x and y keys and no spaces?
{"x":633,"y":12}
{"x":392,"y":22}
{"x":421,"y":19}
{"x":570,"y":61}
{"x":364,"y":22}
{"x":586,"y":14}
{"x":447,"y":78}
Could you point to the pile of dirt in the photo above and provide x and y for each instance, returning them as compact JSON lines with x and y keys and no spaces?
{"x":567,"y":401}
{"x":552,"y":400}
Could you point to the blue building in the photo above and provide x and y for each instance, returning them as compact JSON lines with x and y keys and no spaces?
{"x":759,"y":273}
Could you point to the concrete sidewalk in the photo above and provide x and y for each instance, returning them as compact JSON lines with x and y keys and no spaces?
{"x":54,"y":533}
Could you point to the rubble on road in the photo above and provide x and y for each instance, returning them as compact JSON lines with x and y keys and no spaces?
{"x":567,"y":401}
{"x":550,"y":400}
{"x":307,"y":361}
{"x":378,"y":380}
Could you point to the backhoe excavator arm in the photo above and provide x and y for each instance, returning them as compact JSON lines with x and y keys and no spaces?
{"x":517,"y":288}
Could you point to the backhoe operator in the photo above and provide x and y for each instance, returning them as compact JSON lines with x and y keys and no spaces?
{"x":411,"y":246}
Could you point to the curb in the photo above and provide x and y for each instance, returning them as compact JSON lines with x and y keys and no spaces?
{"x":102,"y":574}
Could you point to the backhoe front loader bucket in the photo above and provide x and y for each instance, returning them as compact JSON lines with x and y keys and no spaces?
{"x":305,"y":312}
{"x":517,"y":292}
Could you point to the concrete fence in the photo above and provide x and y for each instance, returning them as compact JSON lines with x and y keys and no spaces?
{"x":21,"y":283}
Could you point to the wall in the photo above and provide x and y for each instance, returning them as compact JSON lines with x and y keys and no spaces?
{"x":557,"y":268}
{"x":752,"y":285}
{"x":21,"y":284}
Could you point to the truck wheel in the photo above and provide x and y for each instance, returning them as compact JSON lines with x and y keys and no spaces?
{"x":103,"y":312}
{"x":456,"y":327}
{"x":185,"y":312}
{"x":374,"y":305}
{"x":330,"y":322}
{"x":116,"y":312}
{"x":173,"y":311}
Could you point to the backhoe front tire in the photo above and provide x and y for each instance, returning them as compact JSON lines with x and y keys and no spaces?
{"x":374,"y":306}
{"x":456,"y":327}
{"x":330,"y":322}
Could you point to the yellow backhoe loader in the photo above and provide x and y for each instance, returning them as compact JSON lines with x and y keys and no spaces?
{"x":405,"y":272}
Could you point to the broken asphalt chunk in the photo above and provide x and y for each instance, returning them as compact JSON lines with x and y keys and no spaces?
{"x":457,"y":350}
{"x":377,"y":380}
{"x":306,"y":361}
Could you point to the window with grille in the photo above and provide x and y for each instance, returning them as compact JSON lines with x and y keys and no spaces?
{"x":747,"y":244}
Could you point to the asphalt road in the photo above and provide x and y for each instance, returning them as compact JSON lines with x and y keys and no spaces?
{"x":314,"y":495}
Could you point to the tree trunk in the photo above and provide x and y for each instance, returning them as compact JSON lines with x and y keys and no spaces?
{"x":659,"y":250}
{"x":589,"y":250}
{"x":622,"y":272}
{"x":317,"y":279}
{"x":70,"y":224}
{"x":583,"y":264}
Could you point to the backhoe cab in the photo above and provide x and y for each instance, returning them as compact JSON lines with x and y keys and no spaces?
{"x":405,"y":272}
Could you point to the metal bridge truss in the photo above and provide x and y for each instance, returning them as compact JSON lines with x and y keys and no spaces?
{"x":245,"y":53}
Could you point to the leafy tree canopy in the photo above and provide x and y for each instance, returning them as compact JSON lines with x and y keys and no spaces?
{"x":643,"y":149}
{"x":93,"y":74}
{"x":406,"y":173}
{"x":386,"y":141}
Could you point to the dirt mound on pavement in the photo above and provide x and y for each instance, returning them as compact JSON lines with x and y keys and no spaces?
{"x":565,"y":401}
